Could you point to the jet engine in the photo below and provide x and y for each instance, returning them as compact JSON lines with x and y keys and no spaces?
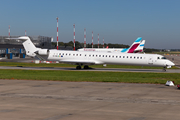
{"x":43,"y":52}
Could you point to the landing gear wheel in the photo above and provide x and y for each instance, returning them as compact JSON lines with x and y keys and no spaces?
{"x":164,"y":69}
{"x":86,"y":67}
{"x":78,"y":67}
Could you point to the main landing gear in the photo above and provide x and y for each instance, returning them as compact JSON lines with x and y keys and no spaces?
{"x":78,"y":67}
{"x":85,"y":67}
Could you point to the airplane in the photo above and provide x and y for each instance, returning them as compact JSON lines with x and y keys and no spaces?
{"x":85,"y":58}
{"x":134,"y":48}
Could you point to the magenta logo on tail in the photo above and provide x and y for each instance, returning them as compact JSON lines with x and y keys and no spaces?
{"x":135,"y":45}
{"x":131,"y":50}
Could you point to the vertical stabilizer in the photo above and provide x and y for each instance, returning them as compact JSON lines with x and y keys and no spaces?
{"x":140,"y":47}
{"x":133,"y":46}
{"x":29,"y":46}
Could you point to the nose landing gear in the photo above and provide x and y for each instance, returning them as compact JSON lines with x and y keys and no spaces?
{"x":164,"y":69}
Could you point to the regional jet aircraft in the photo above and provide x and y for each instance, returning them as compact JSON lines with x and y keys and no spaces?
{"x":86,"y":58}
{"x":136,"y":47}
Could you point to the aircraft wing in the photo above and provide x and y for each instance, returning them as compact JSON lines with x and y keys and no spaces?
{"x":84,"y":62}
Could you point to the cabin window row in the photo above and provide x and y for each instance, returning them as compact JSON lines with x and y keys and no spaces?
{"x":113,"y":56}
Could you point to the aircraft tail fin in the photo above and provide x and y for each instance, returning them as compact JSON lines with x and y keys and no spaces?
{"x":29,"y":46}
{"x":140,"y":47}
{"x":134,"y":45}
{"x":33,"y":51}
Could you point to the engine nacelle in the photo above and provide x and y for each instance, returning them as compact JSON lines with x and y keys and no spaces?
{"x":43,"y":51}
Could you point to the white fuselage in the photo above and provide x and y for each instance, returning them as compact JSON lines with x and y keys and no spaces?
{"x":91,"y":57}
{"x":101,"y":49}
{"x":86,"y":58}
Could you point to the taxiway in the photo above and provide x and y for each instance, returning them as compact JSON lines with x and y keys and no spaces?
{"x":50,"y":100}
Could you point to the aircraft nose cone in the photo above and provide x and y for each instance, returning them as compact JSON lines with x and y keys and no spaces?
{"x":170,"y":63}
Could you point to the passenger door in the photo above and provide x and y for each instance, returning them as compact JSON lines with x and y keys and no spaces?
{"x":150,"y":61}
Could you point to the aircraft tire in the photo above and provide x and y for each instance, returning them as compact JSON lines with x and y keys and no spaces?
{"x":86,"y":67}
{"x":78,"y":67}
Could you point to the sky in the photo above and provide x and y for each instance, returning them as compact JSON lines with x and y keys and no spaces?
{"x":117,"y":21}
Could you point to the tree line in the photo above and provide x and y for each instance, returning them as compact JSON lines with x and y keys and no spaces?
{"x":79,"y":45}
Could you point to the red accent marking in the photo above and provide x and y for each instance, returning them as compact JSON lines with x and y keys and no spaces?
{"x":131,"y":50}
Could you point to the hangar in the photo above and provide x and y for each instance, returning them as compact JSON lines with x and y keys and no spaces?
{"x":10,"y":48}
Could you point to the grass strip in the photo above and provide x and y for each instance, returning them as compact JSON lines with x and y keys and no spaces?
{"x":90,"y":76}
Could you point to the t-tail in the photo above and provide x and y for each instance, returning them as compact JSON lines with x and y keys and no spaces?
{"x":29,"y":46}
{"x":33,"y":51}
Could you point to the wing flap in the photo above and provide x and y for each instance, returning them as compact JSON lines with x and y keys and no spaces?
{"x":84,"y":62}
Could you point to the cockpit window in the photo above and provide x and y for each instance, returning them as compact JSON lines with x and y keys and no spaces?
{"x":163,"y":58}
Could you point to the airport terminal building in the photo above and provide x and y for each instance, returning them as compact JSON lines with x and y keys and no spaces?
{"x":10,"y":48}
